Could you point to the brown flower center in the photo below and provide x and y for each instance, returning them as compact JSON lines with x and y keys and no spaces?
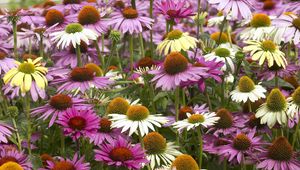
{"x":71,"y":2}
{"x":2,"y":55}
{"x":45,"y":157}
{"x":183,"y":111}
{"x":119,"y":5}
{"x":268,"y":45}
{"x":154,"y":143}
{"x":260,"y":20}
{"x":105,"y":125}
{"x":296,"y":23}
{"x":280,"y":150}
{"x":145,"y":62}
{"x":254,"y":122}
{"x":296,"y":96}
{"x":175,"y":63}
{"x":77,"y":123}
{"x":6,"y":159}
{"x":61,"y":101}
{"x":81,"y":74}
{"x":29,"y":56}
{"x":137,"y":112}
{"x":130,"y":13}
{"x":63,"y":165}
{"x":83,"y":48}
{"x":246,"y":84}
{"x":54,"y":16}
{"x":118,"y":106}
{"x":22,"y":26}
{"x":48,"y":4}
{"x":88,"y":15}
{"x":185,"y":162}
{"x":241,"y":142}
{"x":121,"y":154}
{"x":216,"y":36}
{"x":226,"y":119}
{"x":269,"y":5}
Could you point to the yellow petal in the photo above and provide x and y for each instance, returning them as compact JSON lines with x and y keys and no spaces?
{"x":27,"y":82}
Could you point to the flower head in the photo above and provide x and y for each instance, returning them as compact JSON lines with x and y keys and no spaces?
{"x":185,"y":162}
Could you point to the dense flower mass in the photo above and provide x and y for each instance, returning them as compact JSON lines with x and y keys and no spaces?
{"x":144,"y":84}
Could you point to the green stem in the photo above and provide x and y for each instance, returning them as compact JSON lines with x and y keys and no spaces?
{"x":17,"y":134}
{"x":133,"y":4}
{"x":100,"y":58}
{"x":177,"y":93}
{"x":27,"y":112}
{"x":221,"y":30}
{"x":62,"y":144}
{"x":249,"y":105}
{"x":131,"y":52}
{"x":208,"y":99}
{"x":200,"y":146}
{"x":42,"y":46}
{"x":223,"y":90}
{"x":295,"y":135}
{"x":78,"y":54}
{"x":225,"y":164}
{"x":142,"y":45}
{"x":112,"y":50}
{"x":276,"y":79}
{"x":4,"y":100}
{"x":14,"y":23}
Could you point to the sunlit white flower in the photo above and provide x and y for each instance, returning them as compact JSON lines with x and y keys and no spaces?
{"x":294,"y":104}
{"x":73,"y":34}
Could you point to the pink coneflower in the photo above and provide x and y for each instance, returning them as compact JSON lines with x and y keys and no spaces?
{"x":237,"y":8}
{"x":270,"y":7}
{"x":5,"y":132}
{"x":82,"y":79}
{"x":72,"y":6}
{"x":268,"y":73}
{"x":68,"y":58}
{"x":6,"y":63}
{"x":174,"y":10}
{"x":121,"y":153}
{"x":291,"y":24}
{"x":227,"y":124}
{"x":67,"y":164}
{"x":77,"y":123}
{"x":4,"y":29}
{"x":212,"y":143}
{"x":91,"y":18}
{"x":129,"y":20}
{"x":176,"y":70}
{"x":213,"y":71}
{"x":279,"y":156}
{"x":105,"y":133}
{"x":58,"y":105}
{"x":242,"y":147}
{"x":11,"y":155}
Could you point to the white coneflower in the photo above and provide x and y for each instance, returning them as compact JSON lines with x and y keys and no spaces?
{"x":159,"y":151}
{"x":274,"y":110}
{"x":294,"y":104}
{"x":198,"y":119}
{"x":247,"y":90}
{"x":74,"y":33}
{"x":137,"y":119}
{"x":266,"y":50}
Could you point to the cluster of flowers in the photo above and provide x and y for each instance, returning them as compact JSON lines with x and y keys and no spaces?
{"x":143,"y":84}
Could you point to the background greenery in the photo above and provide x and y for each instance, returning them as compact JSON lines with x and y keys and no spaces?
{"x":12,"y":4}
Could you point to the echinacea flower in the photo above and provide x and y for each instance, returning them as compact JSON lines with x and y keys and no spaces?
{"x":176,"y":41}
{"x":105,"y":133}
{"x":14,"y":158}
{"x":183,"y":162}
{"x":205,"y":119}
{"x":73,"y":34}
{"x":137,"y":119}
{"x":26,"y":73}
{"x":120,"y":153}
{"x":242,"y":147}
{"x":82,"y":79}
{"x":279,"y":156}
{"x":266,"y":50}
{"x":260,"y":28}
{"x":247,"y":90}
{"x":227,"y":124}
{"x":238,"y":9}
{"x":76,"y":163}
{"x":119,"y":105}
{"x":225,"y":54}
{"x":176,"y":70}
{"x":5,"y":132}
{"x":291,"y":24}
{"x":129,"y":20}
{"x":79,"y":123}
{"x":58,"y":105}
{"x":159,"y":151}
{"x":90,"y":18}
{"x":274,"y":110}
{"x":58,"y":20}
{"x":6,"y":63}
{"x":294,"y":104}
{"x":174,"y":10}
